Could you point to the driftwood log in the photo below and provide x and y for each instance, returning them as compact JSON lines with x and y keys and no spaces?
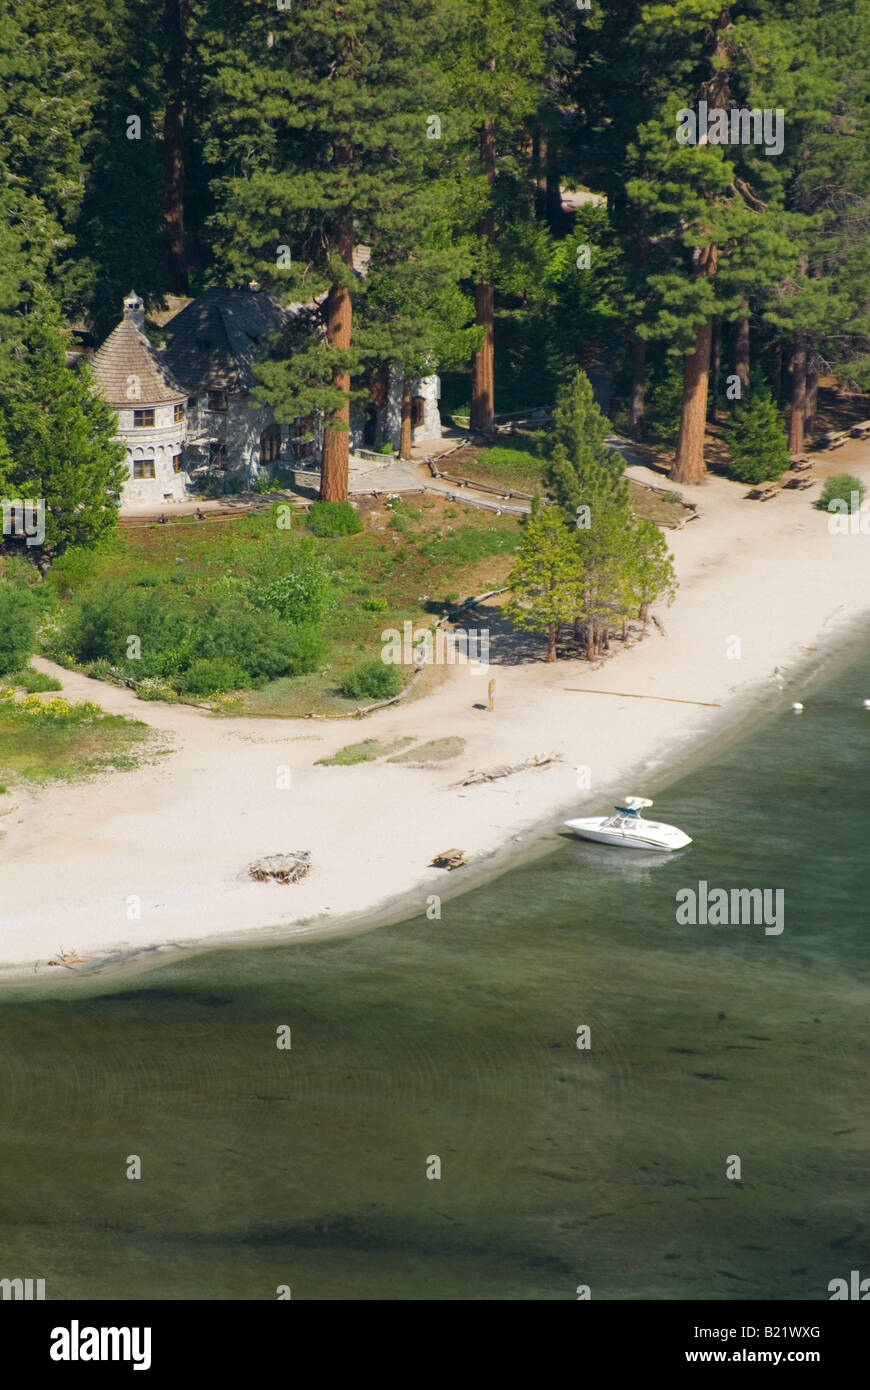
{"x":281,"y":868}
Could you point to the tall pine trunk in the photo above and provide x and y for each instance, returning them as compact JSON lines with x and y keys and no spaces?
{"x":638,"y":388}
{"x":483,"y":360}
{"x":741,"y":346}
{"x":551,"y":642}
{"x":812,"y":401}
{"x":175,"y":13}
{"x":689,"y":462}
{"x":339,"y":323}
{"x":776,"y":372}
{"x":798,"y":394}
{"x":715,"y":364}
{"x":405,"y":444}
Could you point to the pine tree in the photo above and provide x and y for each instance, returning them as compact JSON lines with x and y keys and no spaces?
{"x":497,"y":78}
{"x":317,"y":124}
{"x":581,"y":469}
{"x":547,"y":580}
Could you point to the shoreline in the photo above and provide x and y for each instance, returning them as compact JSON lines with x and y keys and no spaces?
{"x":178,"y":834}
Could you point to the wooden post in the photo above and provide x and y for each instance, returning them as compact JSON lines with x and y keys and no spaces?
{"x":491,"y":696}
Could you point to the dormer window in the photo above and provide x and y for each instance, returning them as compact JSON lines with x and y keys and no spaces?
{"x":143,"y":419}
{"x":179,"y":414}
{"x":217,"y":400}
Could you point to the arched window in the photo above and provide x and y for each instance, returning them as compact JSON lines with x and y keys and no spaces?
{"x":270,"y":444}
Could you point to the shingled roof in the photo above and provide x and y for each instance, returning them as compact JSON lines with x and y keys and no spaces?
{"x":127,"y":353}
{"x":212,"y":344}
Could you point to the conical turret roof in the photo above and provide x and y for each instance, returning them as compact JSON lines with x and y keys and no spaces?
{"x":127,"y":354}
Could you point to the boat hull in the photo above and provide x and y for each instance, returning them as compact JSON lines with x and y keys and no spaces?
{"x":645,"y":835}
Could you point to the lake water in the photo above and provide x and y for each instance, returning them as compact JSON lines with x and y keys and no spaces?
{"x":457,"y":1038}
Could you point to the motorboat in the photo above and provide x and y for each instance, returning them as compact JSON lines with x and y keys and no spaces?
{"x":628,"y":828}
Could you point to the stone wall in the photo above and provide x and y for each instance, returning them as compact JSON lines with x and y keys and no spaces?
{"x":160,"y":443}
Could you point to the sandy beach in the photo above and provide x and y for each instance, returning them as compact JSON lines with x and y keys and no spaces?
{"x":173,"y":839}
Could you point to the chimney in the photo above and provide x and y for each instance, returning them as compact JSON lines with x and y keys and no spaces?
{"x":134,"y":309}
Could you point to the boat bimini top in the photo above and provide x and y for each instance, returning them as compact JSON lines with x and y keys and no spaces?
{"x":633,"y":806}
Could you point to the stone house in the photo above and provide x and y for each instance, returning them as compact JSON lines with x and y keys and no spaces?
{"x":211,"y":347}
{"x":187,"y":409}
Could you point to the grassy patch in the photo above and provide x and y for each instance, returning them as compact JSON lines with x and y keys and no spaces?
{"x":62,"y":742}
{"x":516,"y":465}
{"x":437,"y":750}
{"x":664,"y":508}
{"x":365,"y":752}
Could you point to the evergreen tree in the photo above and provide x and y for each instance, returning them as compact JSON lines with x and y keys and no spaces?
{"x":758,"y":448}
{"x":649,"y":574}
{"x":60,"y":436}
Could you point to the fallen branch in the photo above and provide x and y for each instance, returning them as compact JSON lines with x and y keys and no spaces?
{"x":629,"y":695}
{"x":493,"y":774}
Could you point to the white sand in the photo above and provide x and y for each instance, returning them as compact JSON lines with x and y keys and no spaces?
{"x":179,"y":835}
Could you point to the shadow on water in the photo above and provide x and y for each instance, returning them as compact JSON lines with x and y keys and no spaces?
{"x":457,"y":1040}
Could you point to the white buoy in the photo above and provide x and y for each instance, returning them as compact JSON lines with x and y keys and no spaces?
{"x":866,"y":704}
{"x":797,"y":707}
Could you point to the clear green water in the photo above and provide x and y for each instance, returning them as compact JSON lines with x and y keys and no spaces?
{"x":457,"y":1038}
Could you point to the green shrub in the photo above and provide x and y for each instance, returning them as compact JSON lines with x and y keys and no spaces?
{"x":386,"y":449}
{"x":99,"y":670}
{"x":334,"y":519}
{"x":376,"y":604}
{"x":235,"y":486}
{"x":177,"y":630}
{"x":210,"y":676}
{"x":19,"y":618}
{"x":263,"y":483}
{"x":843,"y":488}
{"x":372,"y":680}
{"x":209,"y":486}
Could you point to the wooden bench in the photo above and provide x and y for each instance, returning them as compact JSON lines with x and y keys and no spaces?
{"x":763,"y":494}
{"x":861,"y":430}
{"x":800,"y":483}
{"x":834,"y":440}
{"x":801,"y":464}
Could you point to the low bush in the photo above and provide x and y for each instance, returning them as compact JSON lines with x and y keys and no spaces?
{"x":334,"y":519}
{"x":210,"y":676}
{"x":372,"y":680}
{"x":844,"y":489}
{"x":34,"y":681}
{"x":19,"y":619}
